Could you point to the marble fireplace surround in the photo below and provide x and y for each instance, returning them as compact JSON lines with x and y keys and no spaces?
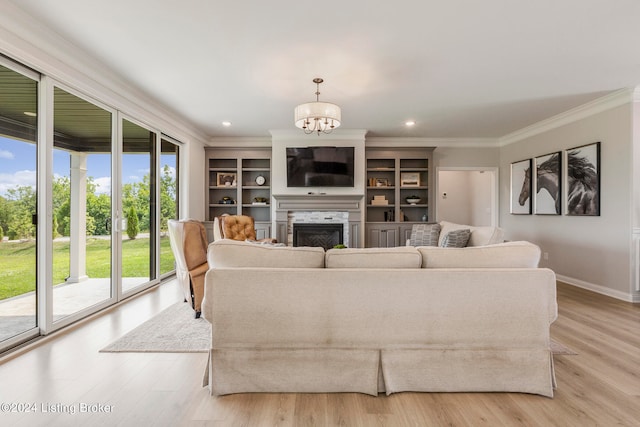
{"x":320,"y":209}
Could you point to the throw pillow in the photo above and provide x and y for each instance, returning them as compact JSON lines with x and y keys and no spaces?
{"x":456,"y":239}
{"x":424,"y":235}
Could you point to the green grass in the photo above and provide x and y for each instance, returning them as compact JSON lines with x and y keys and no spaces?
{"x":18,"y":266}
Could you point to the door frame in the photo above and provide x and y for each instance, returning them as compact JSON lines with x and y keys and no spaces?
{"x":495,"y":188}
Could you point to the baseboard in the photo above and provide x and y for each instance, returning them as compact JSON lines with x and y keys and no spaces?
{"x":628,"y":297}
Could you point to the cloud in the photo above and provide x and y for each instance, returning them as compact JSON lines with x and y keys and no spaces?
{"x":103,"y":185}
{"x":4,"y":154}
{"x":172,"y":171}
{"x":17,"y":179}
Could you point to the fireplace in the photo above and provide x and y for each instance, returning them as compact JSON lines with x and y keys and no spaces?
{"x":322,"y":235}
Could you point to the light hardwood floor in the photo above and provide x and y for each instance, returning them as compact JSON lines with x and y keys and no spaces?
{"x":600,"y":386}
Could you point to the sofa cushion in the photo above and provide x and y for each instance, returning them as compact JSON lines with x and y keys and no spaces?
{"x":480,"y":236}
{"x":502,"y":255}
{"x":424,"y":235}
{"x":399,"y":257}
{"x":233,"y":253}
{"x":456,"y":238}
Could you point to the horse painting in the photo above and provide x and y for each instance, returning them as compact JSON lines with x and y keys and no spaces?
{"x":547,"y":178}
{"x":583,"y":191}
{"x":521,"y":172}
{"x":583,"y":182}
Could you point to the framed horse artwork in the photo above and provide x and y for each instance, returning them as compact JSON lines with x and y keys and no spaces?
{"x":521,"y":187}
{"x":548,"y":172}
{"x":583,"y":180}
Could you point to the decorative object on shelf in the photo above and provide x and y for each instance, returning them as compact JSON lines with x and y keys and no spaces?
{"x":409,"y":179}
{"x":379,"y":201}
{"x":319,"y":117}
{"x":227,"y":201}
{"x":259,"y":200}
{"x":413,"y":200}
{"x":260,"y":180}
{"x":381,"y":182}
{"x":226,"y":179}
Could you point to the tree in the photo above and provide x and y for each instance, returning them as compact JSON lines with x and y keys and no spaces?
{"x":55,"y":227}
{"x":22,"y":207}
{"x":132,"y":223}
{"x":5,"y":209}
{"x":168,"y":203}
{"x":1,"y":234}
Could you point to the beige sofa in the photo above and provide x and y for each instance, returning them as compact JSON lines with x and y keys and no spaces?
{"x":379,"y":320}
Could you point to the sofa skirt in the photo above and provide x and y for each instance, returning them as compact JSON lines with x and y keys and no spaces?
{"x":379,"y":371}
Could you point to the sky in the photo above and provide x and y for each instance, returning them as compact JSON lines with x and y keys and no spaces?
{"x":18,"y":166}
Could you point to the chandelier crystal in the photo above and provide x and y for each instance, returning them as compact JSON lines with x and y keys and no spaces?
{"x":318,"y":117}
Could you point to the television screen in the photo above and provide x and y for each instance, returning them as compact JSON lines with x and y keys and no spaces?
{"x":320,"y":167}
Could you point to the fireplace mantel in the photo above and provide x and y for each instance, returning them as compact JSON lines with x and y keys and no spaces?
{"x":317,"y":202}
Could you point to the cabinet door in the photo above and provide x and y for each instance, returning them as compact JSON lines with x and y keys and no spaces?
{"x":382,"y":236}
{"x":405,"y":234}
{"x":263,"y":230}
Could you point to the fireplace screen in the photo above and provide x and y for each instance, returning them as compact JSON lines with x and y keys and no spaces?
{"x":322,"y":235}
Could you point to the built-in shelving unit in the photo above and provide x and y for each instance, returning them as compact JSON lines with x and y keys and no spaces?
{"x":394,"y":176}
{"x":234,"y":186}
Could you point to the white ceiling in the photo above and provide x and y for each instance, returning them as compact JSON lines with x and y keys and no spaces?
{"x":459,"y":68}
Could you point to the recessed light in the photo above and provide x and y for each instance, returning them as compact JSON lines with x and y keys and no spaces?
{"x":226,"y":123}
{"x":30,"y":114}
{"x":409,"y":123}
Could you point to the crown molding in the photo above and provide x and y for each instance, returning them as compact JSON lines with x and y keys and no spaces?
{"x":240,"y":141}
{"x":432,"y":142}
{"x":636,"y":94}
{"x":604,"y":103}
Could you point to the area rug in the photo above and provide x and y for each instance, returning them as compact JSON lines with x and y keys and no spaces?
{"x":174,"y":330}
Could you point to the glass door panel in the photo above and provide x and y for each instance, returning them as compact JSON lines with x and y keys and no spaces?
{"x":138,"y":206}
{"x":18,"y":191}
{"x":81,"y":185}
{"x":168,"y":200}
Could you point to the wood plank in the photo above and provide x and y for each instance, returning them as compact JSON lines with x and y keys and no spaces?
{"x":598,"y":386}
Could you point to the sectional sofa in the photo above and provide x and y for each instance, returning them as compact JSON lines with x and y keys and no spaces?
{"x":428,"y":319}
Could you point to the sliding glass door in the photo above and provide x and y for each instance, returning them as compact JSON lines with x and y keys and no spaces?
{"x":82,"y":204}
{"x":85,"y":196}
{"x":18,"y":196}
{"x":139,"y":203}
{"x":169,"y":162}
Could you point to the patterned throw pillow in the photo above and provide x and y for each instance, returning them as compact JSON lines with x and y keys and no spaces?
{"x":456,"y":239}
{"x":424,"y":235}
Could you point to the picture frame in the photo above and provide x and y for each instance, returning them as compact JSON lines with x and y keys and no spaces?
{"x":409,"y":179}
{"x":582,"y":197}
{"x":381,"y":182}
{"x":548,"y":184}
{"x":521,"y":187}
{"x":226,"y":179}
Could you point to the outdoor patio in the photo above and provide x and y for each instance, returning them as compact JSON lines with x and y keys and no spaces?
{"x":18,"y":314}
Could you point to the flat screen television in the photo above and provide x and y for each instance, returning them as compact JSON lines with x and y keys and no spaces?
{"x":320,"y":167}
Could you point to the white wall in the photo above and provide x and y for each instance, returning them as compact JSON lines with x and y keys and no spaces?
{"x":466,"y":157}
{"x":296,"y":138}
{"x":468,"y":197}
{"x":593,"y":252}
{"x":454,"y":197}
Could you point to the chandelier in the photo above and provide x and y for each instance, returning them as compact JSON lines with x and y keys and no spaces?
{"x":319,"y":117}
